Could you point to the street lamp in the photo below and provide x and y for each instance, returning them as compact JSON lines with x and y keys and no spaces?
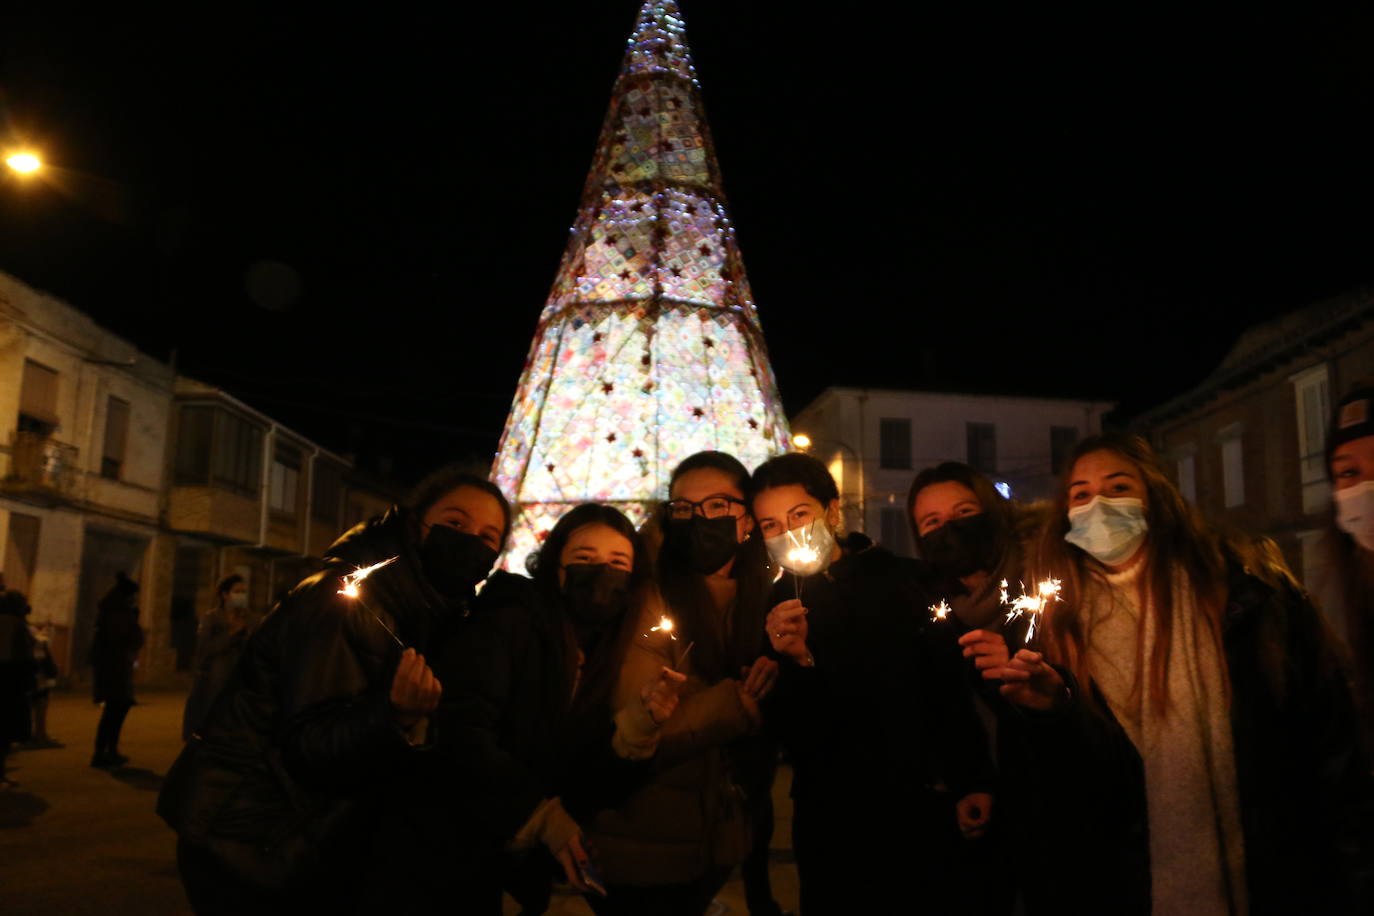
{"x":25,"y":163}
{"x":803,"y":442}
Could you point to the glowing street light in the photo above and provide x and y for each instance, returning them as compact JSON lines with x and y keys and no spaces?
{"x":24,"y":163}
{"x":802,"y":441}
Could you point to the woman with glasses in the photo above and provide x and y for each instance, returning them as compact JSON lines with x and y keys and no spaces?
{"x":670,"y":847}
{"x":872,"y":707}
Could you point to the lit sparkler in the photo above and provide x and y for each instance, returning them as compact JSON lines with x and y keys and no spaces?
{"x":940,"y":611}
{"x":1031,"y":605}
{"x":352,"y":590}
{"x":801,"y":554}
{"x":666,"y":625}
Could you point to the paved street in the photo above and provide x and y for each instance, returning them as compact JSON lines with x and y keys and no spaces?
{"x":76,"y":840}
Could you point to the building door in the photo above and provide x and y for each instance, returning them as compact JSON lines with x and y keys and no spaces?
{"x":102,"y":555}
{"x":21,"y":553}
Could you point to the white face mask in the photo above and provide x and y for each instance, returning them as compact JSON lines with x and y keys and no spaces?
{"x":1110,"y":528}
{"x":1355,"y":512}
{"x":804,"y":550}
{"x":237,"y":600}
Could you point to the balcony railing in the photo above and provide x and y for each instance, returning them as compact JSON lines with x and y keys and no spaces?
{"x":41,"y":463}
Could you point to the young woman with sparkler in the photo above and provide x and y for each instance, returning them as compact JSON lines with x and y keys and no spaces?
{"x":671,"y":846}
{"x":1194,"y":705}
{"x":871,"y":706}
{"x":530,"y":724}
{"x":323,"y":721}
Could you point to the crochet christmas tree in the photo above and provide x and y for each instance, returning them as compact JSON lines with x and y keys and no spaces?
{"x":649,"y":347}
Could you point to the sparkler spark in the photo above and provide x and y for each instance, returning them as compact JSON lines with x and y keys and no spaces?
{"x":940,"y":611}
{"x":665,"y":624}
{"x":1031,"y":605}
{"x":350,"y":589}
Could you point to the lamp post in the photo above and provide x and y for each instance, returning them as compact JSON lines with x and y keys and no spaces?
{"x":803,"y":443}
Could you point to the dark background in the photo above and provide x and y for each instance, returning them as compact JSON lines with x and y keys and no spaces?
{"x":351,"y":221}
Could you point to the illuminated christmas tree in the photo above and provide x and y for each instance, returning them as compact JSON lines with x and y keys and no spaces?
{"x":649,"y":348}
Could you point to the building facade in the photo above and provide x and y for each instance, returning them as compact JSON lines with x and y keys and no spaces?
{"x":111,"y":462}
{"x":875,"y":440}
{"x":1247,"y":445}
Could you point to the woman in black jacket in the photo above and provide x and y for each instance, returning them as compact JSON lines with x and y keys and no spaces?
{"x":530,"y":744}
{"x":872,"y":706}
{"x":1206,"y":700}
{"x":332,"y":698}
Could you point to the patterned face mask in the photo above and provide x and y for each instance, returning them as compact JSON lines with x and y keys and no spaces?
{"x":1355,"y":512}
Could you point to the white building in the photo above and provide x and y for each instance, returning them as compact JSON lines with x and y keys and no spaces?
{"x":110,"y":462}
{"x":874,"y":441}
{"x":83,"y":439}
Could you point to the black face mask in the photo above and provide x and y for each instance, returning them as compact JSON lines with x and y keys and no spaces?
{"x":704,"y":544}
{"x":454,"y":561}
{"x":962,"y":546}
{"x":594,"y":594}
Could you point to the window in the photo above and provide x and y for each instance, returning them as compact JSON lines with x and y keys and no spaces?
{"x":328,"y":487}
{"x":116,"y":437}
{"x":195,"y":434}
{"x":1062,"y":441}
{"x":1312,"y":393}
{"x":982,"y":447}
{"x":894,"y":444}
{"x":895,"y":532}
{"x":237,"y":454}
{"x":1232,"y":466}
{"x":286,"y":474}
{"x":38,"y":399}
{"x":216,"y":447}
{"x":1187,"y":477}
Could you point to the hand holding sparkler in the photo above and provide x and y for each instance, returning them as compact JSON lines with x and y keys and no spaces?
{"x":415,"y":691}
{"x":660,"y":696}
{"x":1028,"y":681}
{"x":988,"y":651}
{"x":787,"y":630}
{"x":756,"y":682}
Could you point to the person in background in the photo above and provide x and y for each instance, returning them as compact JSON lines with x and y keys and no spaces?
{"x":1344,"y":584}
{"x":670,"y":847}
{"x":114,"y":655}
{"x":45,"y":679}
{"x":223,"y":631}
{"x":276,"y":795}
{"x":16,"y":675}
{"x":1190,"y":710}
{"x":890,"y":763}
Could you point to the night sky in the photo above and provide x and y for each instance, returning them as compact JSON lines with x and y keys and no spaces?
{"x":351,"y":221}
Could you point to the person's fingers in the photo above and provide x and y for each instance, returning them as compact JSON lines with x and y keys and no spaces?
{"x":1029,"y":656}
{"x":565,"y":859}
{"x":1016,"y":674}
{"x":989,"y":661}
{"x":973,"y":636}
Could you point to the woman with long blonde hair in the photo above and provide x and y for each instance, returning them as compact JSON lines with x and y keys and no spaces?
{"x":1204,"y":695}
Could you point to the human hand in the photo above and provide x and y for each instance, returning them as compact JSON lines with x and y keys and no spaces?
{"x":974,"y":811}
{"x":758,"y":679}
{"x":574,"y":858}
{"x":415,"y":691}
{"x":660,"y":696}
{"x":988,"y":651}
{"x":1027,"y":680}
{"x":787,"y":630}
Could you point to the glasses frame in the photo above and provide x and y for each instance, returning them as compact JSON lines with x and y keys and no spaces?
{"x":698,"y":508}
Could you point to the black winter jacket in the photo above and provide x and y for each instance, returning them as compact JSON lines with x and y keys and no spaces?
{"x":305,"y":729}
{"x":1305,"y":789}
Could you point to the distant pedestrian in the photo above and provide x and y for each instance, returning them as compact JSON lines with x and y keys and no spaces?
{"x":16,"y":674}
{"x":45,"y":679}
{"x":114,"y":650}
{"x":219,"y":642}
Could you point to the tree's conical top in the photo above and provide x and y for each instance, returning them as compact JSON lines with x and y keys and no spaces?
{"x":649,"y":348}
